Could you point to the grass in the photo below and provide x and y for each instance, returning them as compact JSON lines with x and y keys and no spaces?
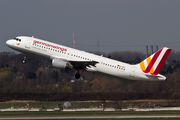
{"x":61,"y":113}
{"x":120,"y":118}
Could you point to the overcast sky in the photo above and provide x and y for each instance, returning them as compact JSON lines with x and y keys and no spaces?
{"x":118,"y":25}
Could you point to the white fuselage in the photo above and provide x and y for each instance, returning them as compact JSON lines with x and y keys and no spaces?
{"x":48,"y":50}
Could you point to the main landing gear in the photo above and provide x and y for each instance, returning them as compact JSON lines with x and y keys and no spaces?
{"x":77,"y":75}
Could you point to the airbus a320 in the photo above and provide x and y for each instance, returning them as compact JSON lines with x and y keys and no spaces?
{"x":63,"y":57}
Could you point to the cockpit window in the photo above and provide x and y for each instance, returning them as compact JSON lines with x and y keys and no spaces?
{"x":17,"y":39}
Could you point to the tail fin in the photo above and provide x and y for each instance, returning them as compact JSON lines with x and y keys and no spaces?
{"x":154,"y":63}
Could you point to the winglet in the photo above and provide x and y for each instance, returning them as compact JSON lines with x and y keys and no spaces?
{"x":154,"y":63}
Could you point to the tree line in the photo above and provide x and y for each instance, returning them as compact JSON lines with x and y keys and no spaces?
{"x":38,"y":80}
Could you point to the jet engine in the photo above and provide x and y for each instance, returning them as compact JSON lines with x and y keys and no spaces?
{"x":58,"y":63}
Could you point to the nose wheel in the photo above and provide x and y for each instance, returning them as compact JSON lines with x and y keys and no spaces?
{"x":24,"y":61}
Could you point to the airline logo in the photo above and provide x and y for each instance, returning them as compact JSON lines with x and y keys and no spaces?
{"x":17,"y":43}
{"x":49,"y":45}
{"x":154,"y":63}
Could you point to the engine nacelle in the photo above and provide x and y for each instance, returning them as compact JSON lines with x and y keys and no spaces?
{"x":58,"y":63}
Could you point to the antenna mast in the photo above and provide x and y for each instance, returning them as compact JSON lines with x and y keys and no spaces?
{"x":97,"y":45}
{"x":74,"y":42}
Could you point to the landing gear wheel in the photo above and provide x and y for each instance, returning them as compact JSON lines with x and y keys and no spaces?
{"x":77,"y":75}
{"x":24,"y":59}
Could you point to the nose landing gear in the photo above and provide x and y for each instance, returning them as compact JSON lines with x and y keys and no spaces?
{"x":24,"y":59}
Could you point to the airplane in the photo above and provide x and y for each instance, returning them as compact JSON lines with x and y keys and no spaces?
{"x":63,"y":57}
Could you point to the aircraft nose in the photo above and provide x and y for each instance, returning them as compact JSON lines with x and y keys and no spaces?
{"x":8,"y":42}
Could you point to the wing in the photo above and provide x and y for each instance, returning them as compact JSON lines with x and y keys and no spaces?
{"x":77,"y":64}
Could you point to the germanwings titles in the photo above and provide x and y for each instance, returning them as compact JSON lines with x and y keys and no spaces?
{"x":63,"y":57}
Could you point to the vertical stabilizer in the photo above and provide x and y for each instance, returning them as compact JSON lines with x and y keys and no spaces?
{"x":154,"y":63}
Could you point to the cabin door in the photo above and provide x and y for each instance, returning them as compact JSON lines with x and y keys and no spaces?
{"x":132,"y":73}
{"x":28,"y":43}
